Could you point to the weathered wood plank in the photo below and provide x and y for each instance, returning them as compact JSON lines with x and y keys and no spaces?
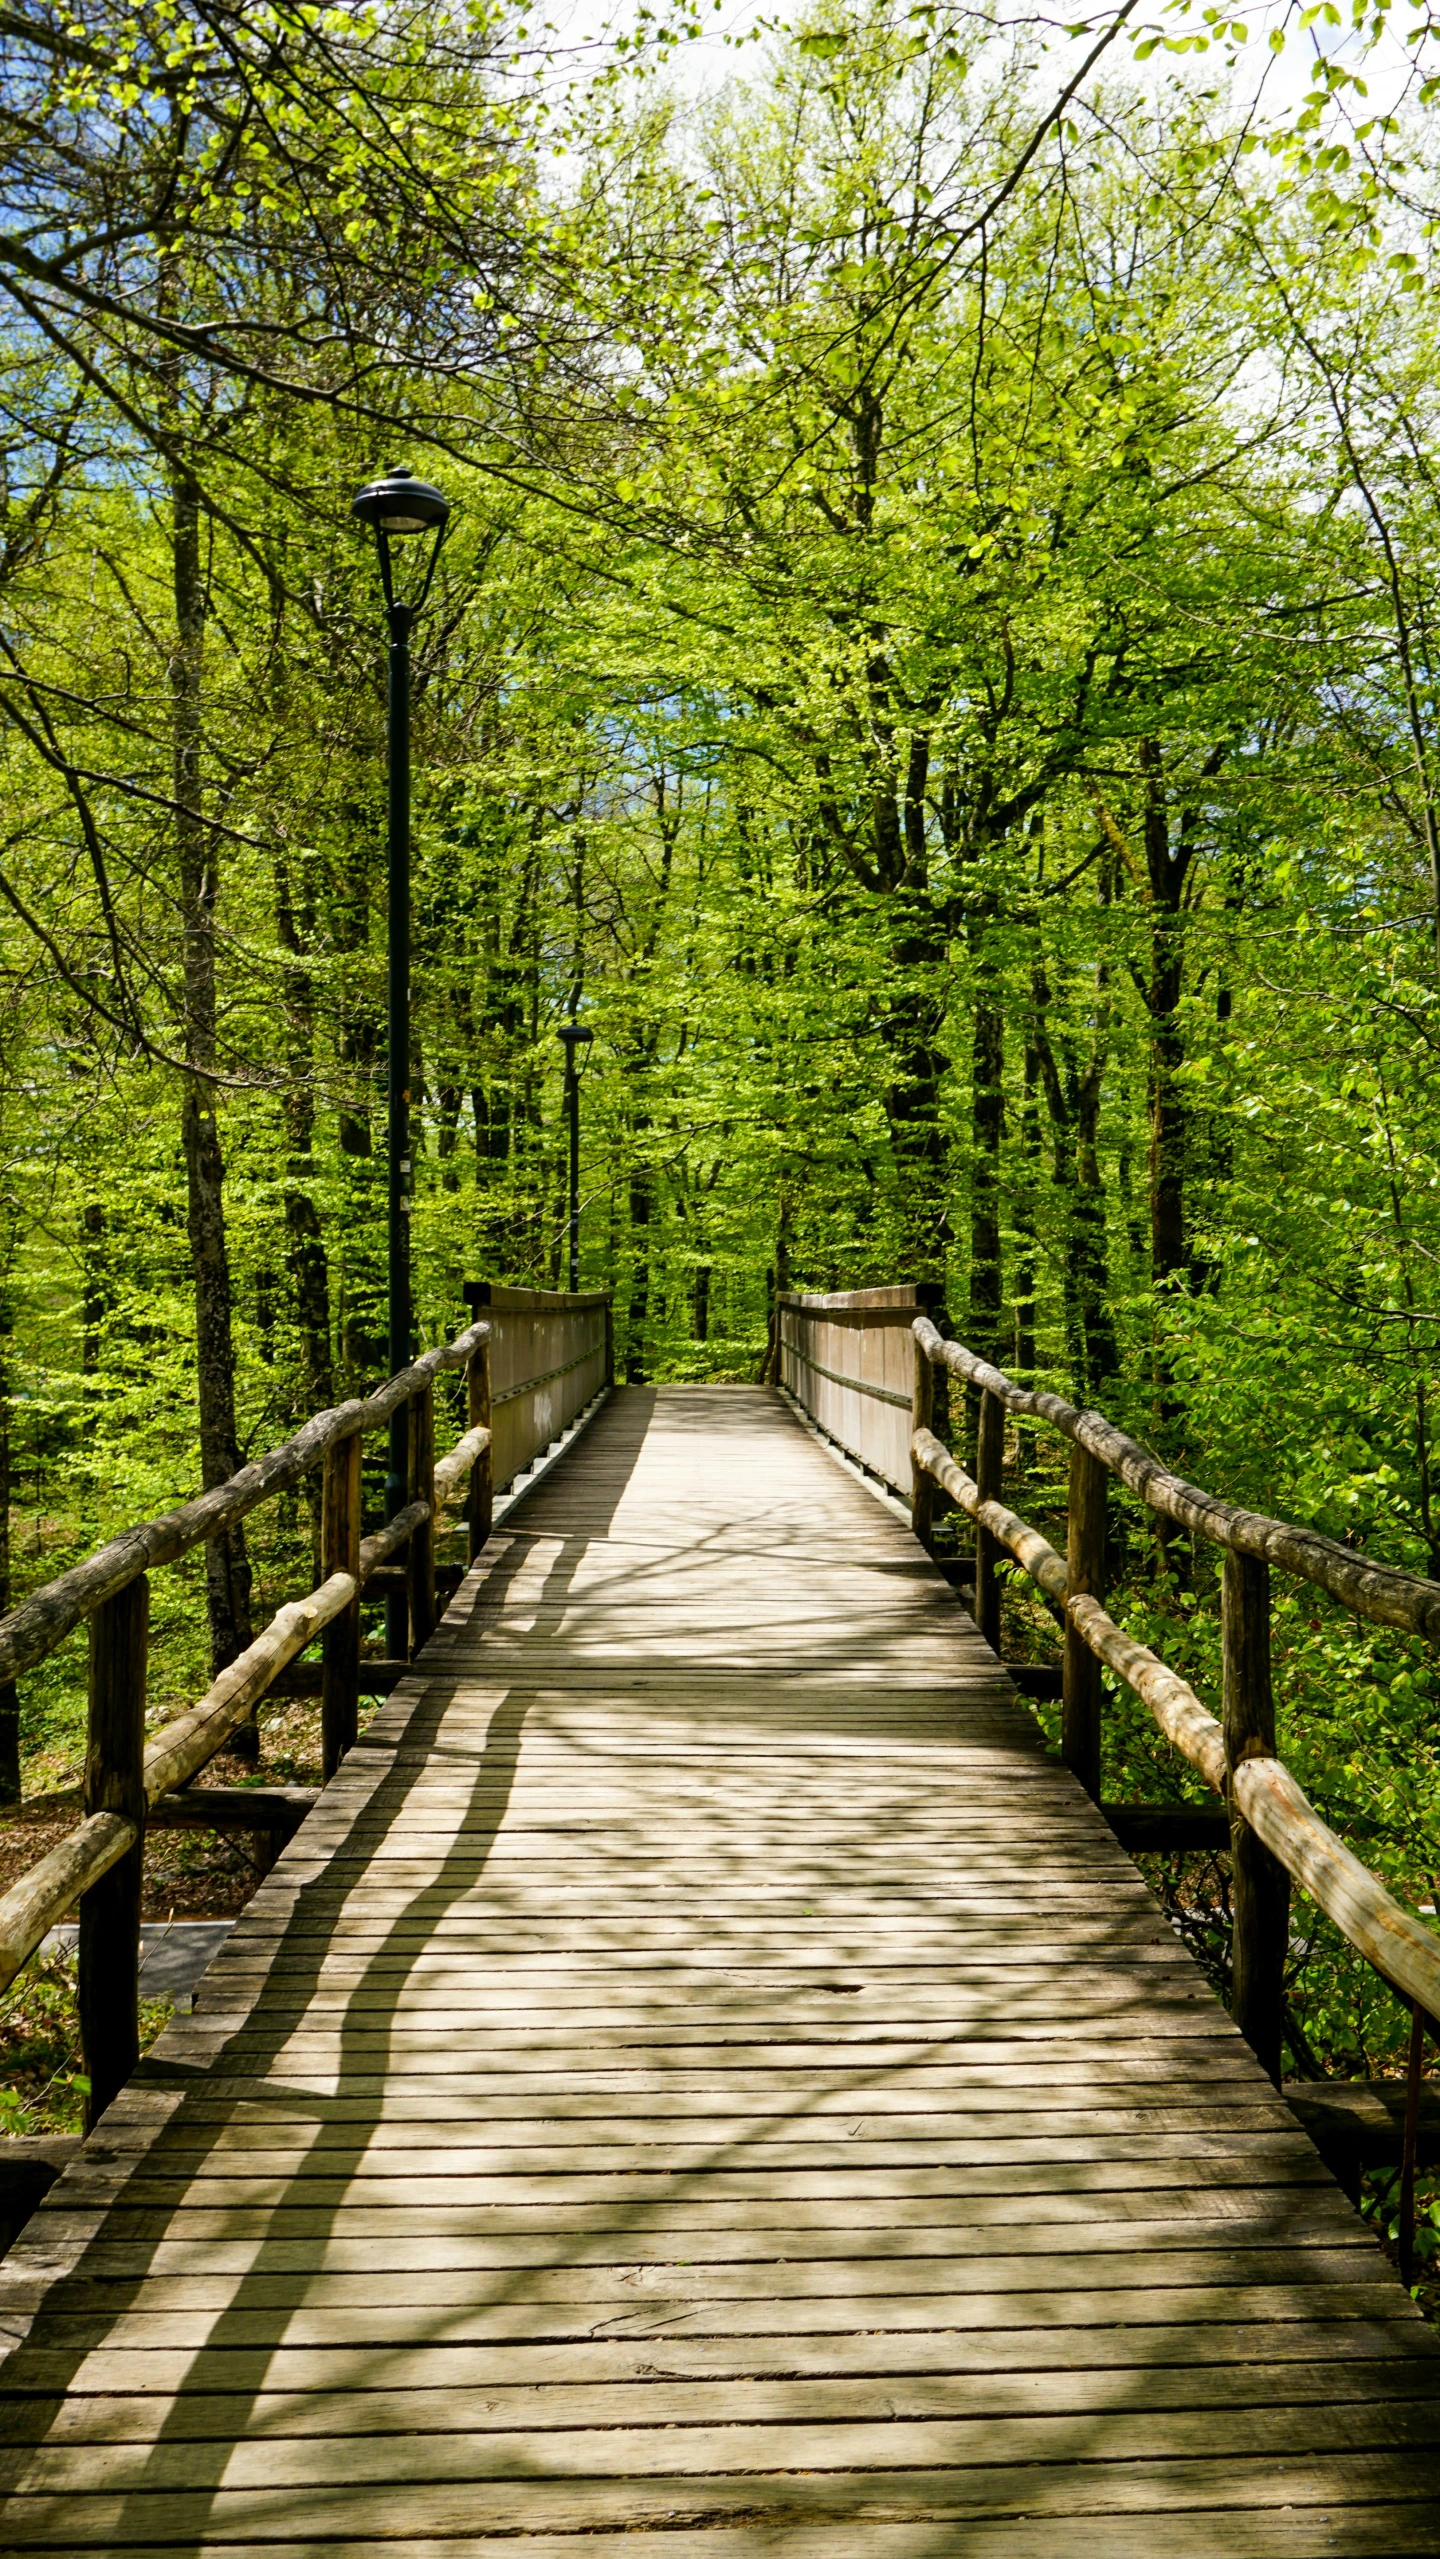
{"x":704,"y":2076}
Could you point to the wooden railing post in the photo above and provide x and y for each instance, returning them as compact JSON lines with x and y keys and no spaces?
{"x":480,"y":1504}
{"x":340,"y":1504}
{"x":989,"y":1483}
{"x":1259,"y":1885}
{"x":109,"y":1959}
{"x":1085,"y":1576}
{"x":609,"y":1344}
{"x":922,"y":1486}
{"x":420,"y":1487}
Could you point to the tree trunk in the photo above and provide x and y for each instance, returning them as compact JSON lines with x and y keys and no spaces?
{"x":447,"y":1139}
{"x":9,"y":1696}
{"x":1025,"y":1216}
{"x":305,"y":1248}
{"x":1059,"y":1106}
{"x":915,"y":1066}
{"x":1167,"y":873}
{"x":639,"y":1312}
{"x":95,"y":1288}
{"x":227,"y":1565}
{"x":987,"y":1120}
{"x":1089,"y":1234}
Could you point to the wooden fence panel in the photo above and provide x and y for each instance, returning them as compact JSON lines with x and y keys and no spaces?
{"x":547,"y":1360}
{"x":849,"y":1362}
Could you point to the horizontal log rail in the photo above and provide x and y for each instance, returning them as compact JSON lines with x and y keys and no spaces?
{"x":1392,"y":1938}
{"x":252,"y":1808}
{"x":98,"y":1865}
{"x":176,"y":1754}
{"x":1275,"y":1833}
{"x":1381,"y":1592}
{"x":33,"y":1630}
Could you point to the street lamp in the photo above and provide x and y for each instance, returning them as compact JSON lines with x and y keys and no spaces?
{"x":399,"y":507}
{"x":575,"y":1037}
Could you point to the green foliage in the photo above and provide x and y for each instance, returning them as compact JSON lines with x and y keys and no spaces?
{"x":42,"y":2083}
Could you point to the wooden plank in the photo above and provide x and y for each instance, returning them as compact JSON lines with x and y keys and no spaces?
{"x":396,"y":2456}
{"x":451,"y":2509}
{"x":702,"y":2063}
{"x":410,"y":2404}
{"x":1393,"y":2532}
{"x":1256,"y":2358}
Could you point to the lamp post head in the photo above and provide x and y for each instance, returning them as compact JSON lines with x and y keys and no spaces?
{"x":399,"y":503}
{"x":574,"y":1034}
{"x":398,"y":506}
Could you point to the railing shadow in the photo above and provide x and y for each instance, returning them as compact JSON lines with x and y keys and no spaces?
{"x":558,"y":1559}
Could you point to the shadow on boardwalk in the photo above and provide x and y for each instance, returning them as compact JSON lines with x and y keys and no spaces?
{"x":1026,"y":2383}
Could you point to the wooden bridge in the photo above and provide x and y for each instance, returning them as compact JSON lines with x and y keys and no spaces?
{"x":703,"y":2078}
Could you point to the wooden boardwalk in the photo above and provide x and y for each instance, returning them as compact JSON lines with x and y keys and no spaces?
{"x":703,"y":2082}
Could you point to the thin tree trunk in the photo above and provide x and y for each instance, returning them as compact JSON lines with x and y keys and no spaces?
{"x":1090,"y":1246}
{"x":1027,"y":1242}
{"x":95,"y":1290}
{"x":447,"y":1138}
{"x":1167,"y":873}
{"x":915,"y":1065}
{"x":987,"y":1126}
{"x":305,"y":1247}
{"x":9,"y":1695}
{"x":639,"y":1312}
{"x":1059,"y":1106}
{"x":784,"y":1218}
{"x":227,"y":1564}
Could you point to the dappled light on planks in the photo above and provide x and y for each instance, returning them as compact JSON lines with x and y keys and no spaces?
{"x":704,"y":2079}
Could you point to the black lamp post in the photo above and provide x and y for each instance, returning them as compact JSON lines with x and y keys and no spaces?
{"x":400,"y":507}
{"x":575,"y":1038}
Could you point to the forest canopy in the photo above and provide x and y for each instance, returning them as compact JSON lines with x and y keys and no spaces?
{"x":933,"y":659}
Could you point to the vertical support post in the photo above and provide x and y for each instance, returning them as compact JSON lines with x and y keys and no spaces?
{"x":109,"y":1964}
{"x":398,"y":1166}
{"x":420,"y":1487}
{"x":989,"y":1483}
{"x":1411,"y":2143}
{"x":609,"y":1343}
{"x":340,"y":1644}
{"x":480,"y":1504}
{"x":1259,"y":1884}
{"x":922,"y":1486}
{"x":1085,"y":1574}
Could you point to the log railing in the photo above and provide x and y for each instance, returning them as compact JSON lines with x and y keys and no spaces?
{"x":1275,"y":1833}
{"x":553,"y":1358}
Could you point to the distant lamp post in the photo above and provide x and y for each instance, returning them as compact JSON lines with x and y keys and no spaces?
{"x":575,"y":1038}
{"x":400,"y":507}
